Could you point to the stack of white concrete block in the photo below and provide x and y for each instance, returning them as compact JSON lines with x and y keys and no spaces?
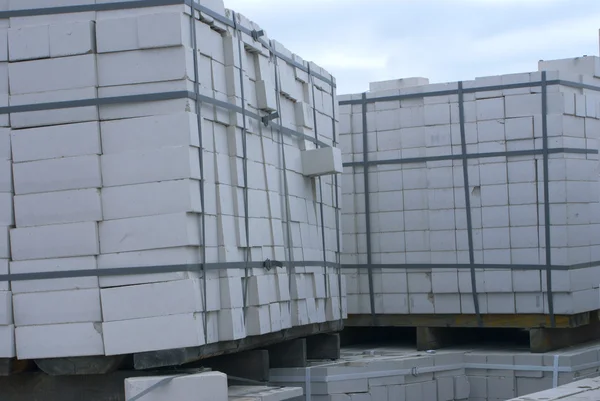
{"x":199,"y":387}
{"x":203,"y":386}
{"x":401,"y":374}
{"x":417,"y":209}
{"x":582,"y":390}
{"x":7,"y":328}
{"x":118,"y":185}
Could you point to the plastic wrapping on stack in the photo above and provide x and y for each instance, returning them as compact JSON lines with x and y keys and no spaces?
{"x":164,"y":154}
{"x":491,"y":182}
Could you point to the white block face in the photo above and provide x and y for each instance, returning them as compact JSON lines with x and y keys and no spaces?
{"x":72,"y":38}
{"x":7,"y":342}
{"x":55,"y":241}
{"x":155,"y":257}
{"x":165,"y":164}
{"x":200,"y":387}
{"x":58,"y":207}
{"x":231,"y":324}
{"x":56,"y":142}
{"x":53,"y":265}
{"x":53,"y":117}
{"x":60,"y":340}
{"x":153,"y":232}
{"x":152,"y":334}
{"x":149,"y":133}
{"x":6,"y":308}
{"x":322,"y":161}
{"x":149,"y":199}
{"x":28,"y":43}
{"x":137,"y":67}
{"x":57,"y":175}
{"x":57,"y":307}
{"x":152,"y":300}
{"x":52,"y":74}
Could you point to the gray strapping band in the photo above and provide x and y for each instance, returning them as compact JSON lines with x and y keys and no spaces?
{"x":484,"y":155}
{"x":198,"y":108}
{"x":365,"y":145}
{"x":198,"y":267}
{"x":247,"y":255}
{"x":320,"y":202}
{"x":289,"y":242}
{"x":547,"y":221}
{"x":465,"y":166}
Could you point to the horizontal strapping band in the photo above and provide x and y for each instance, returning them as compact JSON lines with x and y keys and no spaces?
{"x":157,"y":3}
{"x":151,"y":97}
{"x":198,"y":267}
{"x":511,"y":153}
{"x":129,"y":271}
{"x":436,"y":266}
{"x":450,"y":92}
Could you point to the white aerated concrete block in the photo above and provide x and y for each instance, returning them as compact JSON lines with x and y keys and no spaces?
{"x":57,"y":307}
{"x":149,"y":133}
{"x":28,"y":43}
{"x":57,"y":207}
{"x":56,"y":142}
{"x":155,"y":30}
{"x":209,"y":386}
{"x":155,"y":257}
{"x":53,"y":265}
{"x":72,"y":38}
{"x":153,"y":334}
{"x":29,"y":119}
{"x":152,"y":232}
{"x":4,"y":285}
{"x":7,"y":342}
{"x":397,"y":84}
{"x":231,"y":324}
{"x":55,"y":241}
{"x":143,"y":66}
{"x":151,"y":300}
{"x":53,"y":74}
{"x":164,"y":164}
{"x":258,"y":320}
{"x":57,"y":174}
{"x":323,"y":161}
{"x":149,"y":199}
{"x":6,"y":308}
{"x":59,"y":340}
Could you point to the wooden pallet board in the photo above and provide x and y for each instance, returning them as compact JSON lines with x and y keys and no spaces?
{"x":439,"y":331}
{"x":181,"y":356}
{"x":525,"y":321}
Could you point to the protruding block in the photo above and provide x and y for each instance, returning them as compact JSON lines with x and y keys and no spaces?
{"x":323,"y":161}
{"x":210,"y":386}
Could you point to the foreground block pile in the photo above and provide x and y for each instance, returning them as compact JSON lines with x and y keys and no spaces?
{"x":160,"y":181}
{"x":203,"y":386}
{"x":398,"y":374}
{"x":583,"y":390}
{"x":417,"y":199}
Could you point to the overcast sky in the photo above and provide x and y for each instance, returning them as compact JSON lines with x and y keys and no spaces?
{"x":360,"y":41}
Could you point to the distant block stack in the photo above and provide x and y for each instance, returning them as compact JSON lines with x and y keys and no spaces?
{"x":147,"y":138}
{"x":492,"y":181}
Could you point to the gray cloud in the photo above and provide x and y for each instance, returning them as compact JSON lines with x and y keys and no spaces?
{"x":360,"y":41}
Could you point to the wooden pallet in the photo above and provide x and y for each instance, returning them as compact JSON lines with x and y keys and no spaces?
{"x":177,"y":357}
{"x":249,"y":365}
{"x":438,"y":331}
